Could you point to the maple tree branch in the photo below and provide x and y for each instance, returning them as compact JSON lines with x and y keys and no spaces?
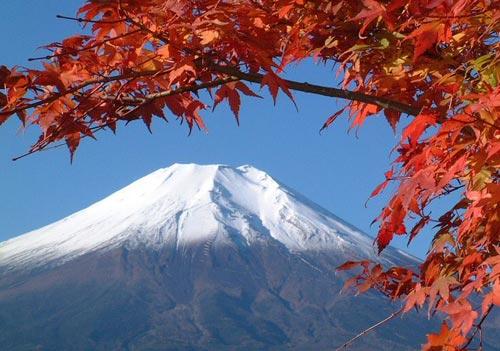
{"x":446,"y":191}
{"x":325,"y":91}
{"x":238,"y":75}
{"x":294,"y":85}
{"x":469,"y":15}
{"x":234,"y":76}
{"x":93,"y":46}
{"x":83,"y":20}
{"x":479,"y":119}
{"x":233,"y":72}
{"x":366,"y":331}
{"x":304,"y":87}
{"x":139,"y":102}
{"x":83,"y":85}
{"x":477,"y":329}
{"x":166,"y":93}
{"x":31,"y":152}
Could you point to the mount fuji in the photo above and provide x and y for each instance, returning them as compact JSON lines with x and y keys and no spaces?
{"x":187,"y":205}
{"x":195,"y":257}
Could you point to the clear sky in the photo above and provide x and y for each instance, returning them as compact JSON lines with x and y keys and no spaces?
{"x":336,"y":169}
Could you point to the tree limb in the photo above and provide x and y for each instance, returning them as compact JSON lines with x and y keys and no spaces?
{"x":325,"y":91}
{"x":237,"y":75}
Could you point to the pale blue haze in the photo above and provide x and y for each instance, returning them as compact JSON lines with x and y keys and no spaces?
{"x":336,"y":170}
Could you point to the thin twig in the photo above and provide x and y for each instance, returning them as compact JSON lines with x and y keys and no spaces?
{"x":31,"y":152}
{"x":366,"y":331}
{"x":477,"y":329}
{"x":150,"y":97}
{"x":93,"y":46}
{"x":83,"y":20}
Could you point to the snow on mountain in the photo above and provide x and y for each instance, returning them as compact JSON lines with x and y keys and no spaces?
{"x":186,"y":204}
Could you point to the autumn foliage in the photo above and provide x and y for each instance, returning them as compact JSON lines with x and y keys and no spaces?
{"x":434,"y":63}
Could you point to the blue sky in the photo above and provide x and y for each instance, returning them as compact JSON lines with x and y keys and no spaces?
{"x":336,"y":169}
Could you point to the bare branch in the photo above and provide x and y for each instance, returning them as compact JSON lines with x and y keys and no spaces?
{"x":366,"y":331}
{"x":83,"y":20}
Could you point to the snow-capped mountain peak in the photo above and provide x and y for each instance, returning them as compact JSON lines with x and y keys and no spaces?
{"x":188,"y":204}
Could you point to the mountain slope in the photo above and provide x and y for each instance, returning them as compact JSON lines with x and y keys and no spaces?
{"x":194,"y":258}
